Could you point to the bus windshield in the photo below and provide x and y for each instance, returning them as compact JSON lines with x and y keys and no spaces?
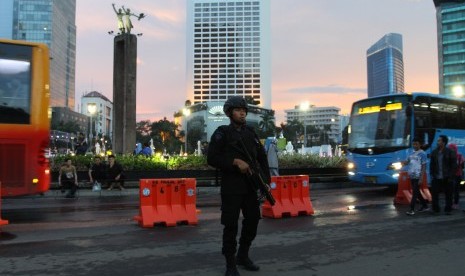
{"x":15,"y":87}
{"x":379,"y":125}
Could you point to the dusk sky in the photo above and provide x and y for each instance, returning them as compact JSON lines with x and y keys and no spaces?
{"x":318,"y":50}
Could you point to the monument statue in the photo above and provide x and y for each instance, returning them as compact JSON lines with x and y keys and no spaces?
{"x":126,"y":25}
{"x":119,"y":16}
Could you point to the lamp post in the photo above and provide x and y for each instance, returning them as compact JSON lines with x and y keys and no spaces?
{"x":91,"y":108}
{"x":186,"y":112}
{"x":458,"y":91}
{"x":327,"y":139}
{"x":305,"y":106}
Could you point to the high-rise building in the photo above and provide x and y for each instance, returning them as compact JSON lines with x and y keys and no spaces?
{"x":385,"y":66}
{"x":51,"y":22}
{"x":325,"y":119}
{"x":450,"y":16}
{"x":228,"y":50}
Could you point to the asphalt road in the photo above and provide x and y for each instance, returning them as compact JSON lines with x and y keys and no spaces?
{"x":96,"y":235}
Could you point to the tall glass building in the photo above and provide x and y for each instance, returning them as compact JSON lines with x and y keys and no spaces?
{"x":51,"y":22}
{"x":385,"y":66}
{"x":450,"y":16}
{"x":228,"y":50}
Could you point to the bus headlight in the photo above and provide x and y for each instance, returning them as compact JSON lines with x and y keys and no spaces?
{"x":350,"y":166}
{"x":395,"y":166}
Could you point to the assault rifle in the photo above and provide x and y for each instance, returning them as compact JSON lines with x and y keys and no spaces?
{"x":256,"y":178}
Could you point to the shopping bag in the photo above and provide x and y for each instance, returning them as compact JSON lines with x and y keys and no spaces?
{"x":97,"y":187}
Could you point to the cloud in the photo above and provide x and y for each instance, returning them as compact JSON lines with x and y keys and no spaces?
{"x":332,"y":88}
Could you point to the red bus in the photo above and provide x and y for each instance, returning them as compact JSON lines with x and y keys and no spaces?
{"x":24,"y":118}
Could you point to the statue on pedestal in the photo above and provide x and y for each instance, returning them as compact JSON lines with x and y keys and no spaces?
{"x":289,"y":148}
{"x":97,"y":148}
{"x":126,"y":26}
{"x":119,"y":16}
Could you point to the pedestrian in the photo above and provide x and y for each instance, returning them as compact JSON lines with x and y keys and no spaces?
{"x":442,"y":168}
{"x":458,"y":176}
{"x":114,"y":173}
{"x":146,"y":150}
{"x":97,"y":173}
{"x":67,"y":178}
{"x":138,"y":149}
{"x":272,"y":155}
{"x":237,"y":194}
{"x":416,"y":171}
{"x":81,"y":145}
{"x":204,"y":149}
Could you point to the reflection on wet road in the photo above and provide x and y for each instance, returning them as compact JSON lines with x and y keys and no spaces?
{"x":355,"y":231}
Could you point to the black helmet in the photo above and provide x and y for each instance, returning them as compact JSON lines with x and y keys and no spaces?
{"x":235,"y":102}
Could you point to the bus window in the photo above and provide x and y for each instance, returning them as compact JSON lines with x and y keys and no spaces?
{"x":379,"y":124}
{"x":445,"y":115}
{"x":15,"y":91}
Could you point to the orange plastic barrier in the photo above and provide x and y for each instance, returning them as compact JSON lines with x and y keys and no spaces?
{"x":2,"y":221}
{"x":404,"y":189}
{"x":168,"y":201}
{"x":292,"y":194}
{"x":424,"y":189}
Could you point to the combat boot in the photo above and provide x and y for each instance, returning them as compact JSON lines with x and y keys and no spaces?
{"x":231,"y":267}
{"x":232,"y":271}
{"x":244,"y":260}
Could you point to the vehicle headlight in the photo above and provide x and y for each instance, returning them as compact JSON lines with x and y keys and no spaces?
{"x":395,"y":166}
{"x":350,"y":166}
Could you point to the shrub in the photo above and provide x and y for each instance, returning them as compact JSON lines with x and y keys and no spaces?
{"x":142,"y":163}
{"x":297,"y":161}
{"x":191,"y":162}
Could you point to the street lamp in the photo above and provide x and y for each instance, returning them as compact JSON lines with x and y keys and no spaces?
{"x":186,"y":112}
{"x":305,"y":106}
{"x":91,"y":108}
{"x":458,"y":91}
{"x":331,"y":127}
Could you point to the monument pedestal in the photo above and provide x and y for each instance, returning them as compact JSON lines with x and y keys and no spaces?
{"x":124,"y":93}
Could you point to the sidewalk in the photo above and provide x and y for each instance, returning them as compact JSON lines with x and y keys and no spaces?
{"x":206,"y":196}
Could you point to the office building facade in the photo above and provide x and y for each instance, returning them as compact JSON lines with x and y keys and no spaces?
{"x":51,"y":22}
{"x":385,"y":66}
{"x":228,"y":50}
{"x":450,"y":16}
{"x":318,"y":117}
{"x":205,"y":118}
{"x":100,"y":109}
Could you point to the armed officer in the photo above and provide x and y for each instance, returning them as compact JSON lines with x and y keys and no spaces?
{"x":229,"y":149}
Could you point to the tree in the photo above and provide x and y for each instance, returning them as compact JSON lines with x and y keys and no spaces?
{"x":345,"y":135}
{"x":143,"y":130}
{"x":251,"y":100}
{"x":266,"y":126}
{"x":326,"y":130}
{"x":164,"y":136}
{"x":196,"y":130}
{"x":69,"y":126}
{"x":292,"y":130}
